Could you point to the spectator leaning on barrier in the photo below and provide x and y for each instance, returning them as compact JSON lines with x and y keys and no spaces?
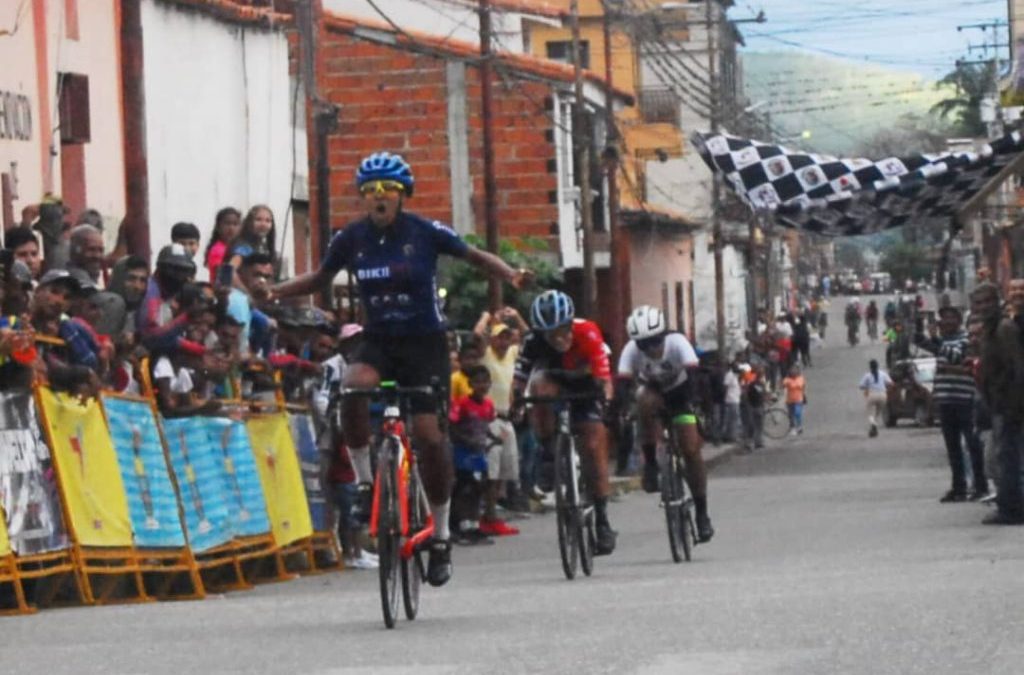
{"x":129,"y":279}
{"x":70,"y":366}
{"x":161,"y":329}
{"x":1002,"y":385}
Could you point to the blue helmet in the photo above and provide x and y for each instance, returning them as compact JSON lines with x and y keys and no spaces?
{"x":551,"y":309}
{"x":385,"y":166}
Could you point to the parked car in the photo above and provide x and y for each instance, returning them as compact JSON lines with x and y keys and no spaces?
{"x":910,"y":394}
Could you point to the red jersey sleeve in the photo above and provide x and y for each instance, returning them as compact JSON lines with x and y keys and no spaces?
{"x":590,"y":342}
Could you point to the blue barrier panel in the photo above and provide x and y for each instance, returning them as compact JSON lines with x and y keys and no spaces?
{"x":197,"y":468}
{"x":152,"y":502}
{"x":243,"y":491}
{"x":309,"y":458}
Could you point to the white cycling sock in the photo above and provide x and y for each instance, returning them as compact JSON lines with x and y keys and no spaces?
{"x":361,"y":464}
{"x":440,"y":513}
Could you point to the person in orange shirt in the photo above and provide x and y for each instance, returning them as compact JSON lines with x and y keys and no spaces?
{"x":796,"y":398}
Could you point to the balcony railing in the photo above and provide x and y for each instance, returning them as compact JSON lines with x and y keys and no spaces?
{"x":659,"y":105}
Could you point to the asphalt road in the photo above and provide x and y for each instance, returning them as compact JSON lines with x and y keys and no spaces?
{"x":833,"y":555}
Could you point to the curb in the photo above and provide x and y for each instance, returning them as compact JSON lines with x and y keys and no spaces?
{"x":622,"y":485}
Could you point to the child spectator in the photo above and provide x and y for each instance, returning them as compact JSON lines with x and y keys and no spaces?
{"x":187,"y":235}
{"x":470,"y":418}
{"x":469,"y":357}
{"x":256,"y":236}
{"x":796,"y":398}
{"x":178,"y":376}
{"x":226,"y":226}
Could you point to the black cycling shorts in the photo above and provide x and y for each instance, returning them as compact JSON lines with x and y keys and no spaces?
{"x":580,"y":411}
{"x":676,"y":401}
{"x":409,"y":360}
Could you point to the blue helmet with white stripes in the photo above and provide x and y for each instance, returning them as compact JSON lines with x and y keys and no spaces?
{"x":551,"y":309}
{"x":385,"y":166}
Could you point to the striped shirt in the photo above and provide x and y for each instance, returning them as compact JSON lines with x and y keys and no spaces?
{"x":951,"y":387}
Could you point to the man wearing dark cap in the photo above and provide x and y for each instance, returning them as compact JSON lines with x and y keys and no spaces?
{"x":953,"y":393}
{"x":76,"y":364}
{"x":160,"y":331}
{"x":1002,"y":385}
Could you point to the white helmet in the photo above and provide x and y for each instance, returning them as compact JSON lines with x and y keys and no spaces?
{"x":645,"y":322}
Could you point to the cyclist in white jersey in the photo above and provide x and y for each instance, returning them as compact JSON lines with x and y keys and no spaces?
{"x":660,"y":362}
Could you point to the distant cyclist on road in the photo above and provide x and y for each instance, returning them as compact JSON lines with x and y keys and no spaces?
{"x":661,"y":363}
{"x":561,"y":342}
{"x":393,"y":255}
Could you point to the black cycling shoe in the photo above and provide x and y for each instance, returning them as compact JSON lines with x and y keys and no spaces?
{"x":606,"y":537}
{"x":704,"y":529}
{"x":363,"y":505}
{"x":439,"y":567}
{"x":650,"y":479}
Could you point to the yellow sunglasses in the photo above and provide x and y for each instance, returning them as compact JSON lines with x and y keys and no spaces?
{"x":380,"y":187}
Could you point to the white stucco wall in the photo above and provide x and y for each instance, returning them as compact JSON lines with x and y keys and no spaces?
{"x":704,"y":295}
{"x":218,"y":121}
{"x":93,"y":54}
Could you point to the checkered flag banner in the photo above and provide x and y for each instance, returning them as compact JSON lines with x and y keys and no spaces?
{"x":847,"y":197}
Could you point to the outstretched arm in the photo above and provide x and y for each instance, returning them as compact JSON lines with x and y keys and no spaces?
{"x":496,"y":267}
{"x":304,"y":284}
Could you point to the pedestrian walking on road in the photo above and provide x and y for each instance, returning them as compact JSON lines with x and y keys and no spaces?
{"x":874,"y":385}
{"x":796,"y":398}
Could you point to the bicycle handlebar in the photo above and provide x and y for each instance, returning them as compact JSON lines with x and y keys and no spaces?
{"x":390,"y":388}
{"x":561,"y":398}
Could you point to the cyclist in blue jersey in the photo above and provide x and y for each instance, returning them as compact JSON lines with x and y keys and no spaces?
{"x":393,"y":255}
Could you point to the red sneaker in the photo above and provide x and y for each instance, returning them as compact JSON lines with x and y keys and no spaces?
{"x":497,"y":528}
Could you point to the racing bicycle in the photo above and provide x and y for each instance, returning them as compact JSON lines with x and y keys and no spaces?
{"x":675,"y":497}
{"x":574,"y":508}
{"x":400,"y":516}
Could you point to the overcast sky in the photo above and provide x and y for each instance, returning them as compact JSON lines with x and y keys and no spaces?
{"x":915,"y":35}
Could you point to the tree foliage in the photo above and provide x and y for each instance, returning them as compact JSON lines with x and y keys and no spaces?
{"x":911,"y":134}
{"x":466,"y":286}
{"x":850,"y":256}
{"x":905,"y":261}
{"x":971,"y":83}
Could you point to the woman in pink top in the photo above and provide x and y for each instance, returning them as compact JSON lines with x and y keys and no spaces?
{"x":225,"y":228}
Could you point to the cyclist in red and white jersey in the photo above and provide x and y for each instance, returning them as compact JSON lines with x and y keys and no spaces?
{"x":575,"y":349}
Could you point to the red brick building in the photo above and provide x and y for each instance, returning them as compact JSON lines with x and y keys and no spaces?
{"x":419,"y":95}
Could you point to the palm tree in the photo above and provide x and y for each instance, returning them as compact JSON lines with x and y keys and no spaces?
{"x":971,"y":83}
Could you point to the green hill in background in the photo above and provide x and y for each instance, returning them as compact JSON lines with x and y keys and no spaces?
{"x":843,"y":105}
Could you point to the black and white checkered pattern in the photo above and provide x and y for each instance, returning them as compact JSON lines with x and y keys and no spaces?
{"x":836,"y":196}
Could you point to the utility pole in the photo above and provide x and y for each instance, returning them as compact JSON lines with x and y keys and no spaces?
{"x":716,"y":221}
{"x":494,"y":289}
{"x":581,"y":144}
{"x":324,"y":116}
{"x":620,"y":243}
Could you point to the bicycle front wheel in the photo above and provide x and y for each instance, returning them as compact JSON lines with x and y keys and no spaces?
{"x":389,"y":535}
{"x":776,"y":423}
{"x":412,"y":567}
{"x":671,"y":501}
{"x":565,"y":507}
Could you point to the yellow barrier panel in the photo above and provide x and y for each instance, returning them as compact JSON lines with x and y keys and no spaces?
{"x":281,"y":476}
{"x":5,"y":542}
{"x":90,"y":477}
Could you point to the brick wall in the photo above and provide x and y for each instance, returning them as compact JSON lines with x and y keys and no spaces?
{"x":395,"y":100}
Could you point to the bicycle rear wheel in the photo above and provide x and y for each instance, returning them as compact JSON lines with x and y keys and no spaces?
{"x":565,"y":508}
{"x":412,"y":567}
{"x":388,"y":530}
{"x":776,"y":423}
